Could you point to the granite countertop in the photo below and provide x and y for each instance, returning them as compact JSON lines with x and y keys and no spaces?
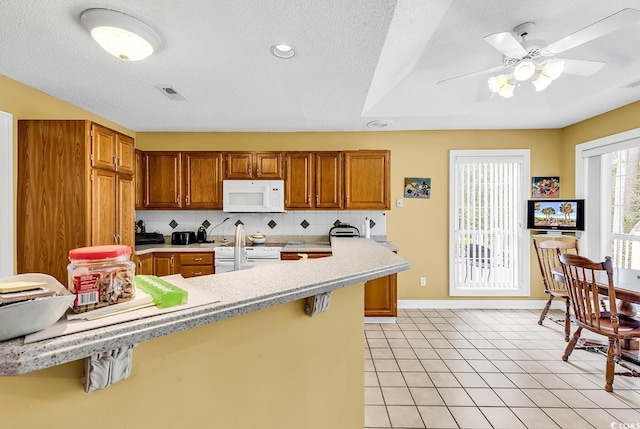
{"x":354,"y":260}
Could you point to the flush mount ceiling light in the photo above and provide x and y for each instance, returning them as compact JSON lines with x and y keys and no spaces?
{"x":120,"y":34}
{"x":283,"y":51}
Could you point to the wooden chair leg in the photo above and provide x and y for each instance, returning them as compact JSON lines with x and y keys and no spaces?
{"x":610,"y":364}
{"x":572,"y":344}
{"x":567,"y":320}
{"x":545,"y":310}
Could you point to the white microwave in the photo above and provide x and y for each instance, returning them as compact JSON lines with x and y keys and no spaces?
{"x":253,"y":196}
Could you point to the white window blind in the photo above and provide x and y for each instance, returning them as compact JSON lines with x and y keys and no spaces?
{"x":487,"y":223}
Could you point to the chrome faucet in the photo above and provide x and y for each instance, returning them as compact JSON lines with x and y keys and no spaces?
{"x":240,"y":253}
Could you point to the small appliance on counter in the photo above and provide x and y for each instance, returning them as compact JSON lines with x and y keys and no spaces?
{"x":184,"y":237}
{"x":201,"y":236}
{"x":343,"y":230}
{"x":149,"y":238}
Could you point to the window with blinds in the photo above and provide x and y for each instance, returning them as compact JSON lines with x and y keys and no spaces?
{"x":488,"y":240}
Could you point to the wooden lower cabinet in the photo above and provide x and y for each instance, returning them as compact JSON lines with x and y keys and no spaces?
{"x":164,"y":264}
{"x":380,"y":295}
{"x":144,"y":263}
{"x":187,"y":264}
{"x":195,"y":264}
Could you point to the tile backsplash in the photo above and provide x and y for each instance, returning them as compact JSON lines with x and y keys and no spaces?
{"x":299,"y":222}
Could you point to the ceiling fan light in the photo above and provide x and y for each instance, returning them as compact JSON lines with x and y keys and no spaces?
{"x":524,"y":70}
{"x":553,"y":69}
{"x":541,"y":82}
{"x":506,"y":90}
{"x":120,"y":34}
{"x":497,"y":82}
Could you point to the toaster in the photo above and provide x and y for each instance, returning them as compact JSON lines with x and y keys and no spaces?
{"x":185,"y":237}
{"x":343,"y":230}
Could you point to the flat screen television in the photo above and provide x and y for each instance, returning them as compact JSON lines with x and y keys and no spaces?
{"x":555,"y":215}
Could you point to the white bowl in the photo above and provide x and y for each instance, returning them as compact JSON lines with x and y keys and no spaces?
{"x":26,"y":317}
{"x":260,"y":240}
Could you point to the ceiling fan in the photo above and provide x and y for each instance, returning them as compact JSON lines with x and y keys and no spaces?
{"x":535,"y":60}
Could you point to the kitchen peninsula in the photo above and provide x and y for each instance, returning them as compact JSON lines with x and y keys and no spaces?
{"x":264,"y":363}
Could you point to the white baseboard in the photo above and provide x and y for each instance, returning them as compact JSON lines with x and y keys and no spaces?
{"x":520,"y":304}
{"x":379,"y":320}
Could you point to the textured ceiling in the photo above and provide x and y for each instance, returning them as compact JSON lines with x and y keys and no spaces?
{"x":357,"y":61}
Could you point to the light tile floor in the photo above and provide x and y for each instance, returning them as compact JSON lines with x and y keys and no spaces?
{"x":487,"y":369}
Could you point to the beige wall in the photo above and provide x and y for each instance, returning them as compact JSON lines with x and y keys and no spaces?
{"x":420,"y":227}
{"x":272,"y":369}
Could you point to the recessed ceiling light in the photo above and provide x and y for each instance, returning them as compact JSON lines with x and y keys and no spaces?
{"x":379,"y":124}
{"x":283,"y":51}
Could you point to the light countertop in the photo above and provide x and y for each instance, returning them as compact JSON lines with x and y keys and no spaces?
{"x":354,"y":260}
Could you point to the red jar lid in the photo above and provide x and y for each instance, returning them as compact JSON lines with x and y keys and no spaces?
{"x":99,"y":252}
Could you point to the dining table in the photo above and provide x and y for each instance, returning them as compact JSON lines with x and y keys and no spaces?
{"x":627,"y":287}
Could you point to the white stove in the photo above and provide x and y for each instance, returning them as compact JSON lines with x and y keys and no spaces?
{"x":224,"y":256}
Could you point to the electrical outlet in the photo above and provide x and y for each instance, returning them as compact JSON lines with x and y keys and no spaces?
{"x":399,"y":203}
{"x":423,"y":281}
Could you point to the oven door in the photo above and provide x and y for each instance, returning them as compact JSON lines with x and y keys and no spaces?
{"x":226,"y":265}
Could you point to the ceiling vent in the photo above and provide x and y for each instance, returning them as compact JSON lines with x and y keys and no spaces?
{"x":171,"y":92}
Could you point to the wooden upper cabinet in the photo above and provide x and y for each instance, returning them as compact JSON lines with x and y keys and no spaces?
{"x":268,"y":165}
{"x":125,"y":154}
{"x":139,"y":179}
{"x":111,"y":150}
{"x":238,"y":165}
{"x":203,"y":180}
{"x":328,"y":180}
{"x":367,"y":180}
{"x":253,"y":165}
{"x":103,"y":147}
{"x":299,"y":180}
{"x":313,"y":180}
{"x":163,"y":180}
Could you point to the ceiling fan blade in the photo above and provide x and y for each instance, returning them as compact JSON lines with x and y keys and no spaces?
{"x":507,"y":44}
{"x":582,"y":67}
{"x":491,"y":70}
{"x":604,"y":26}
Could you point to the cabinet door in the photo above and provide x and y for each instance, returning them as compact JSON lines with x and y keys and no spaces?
{"x":268,"y":165}
{"x":139,"y":179}
{"x":103,"y":208}
{"x":144,"y":264}
{"x":163,"y":180}
{"x":238,"y":165}
{"x":125,"y":216}
{"x":103,"y":147}
{"x":164,"y":264}
{"x":367,"y":180}
{"x":203,"y":180}
{"x":298,"y":185}
{"x":328,"y":180}
{"x":380,"y":297}
{"x":125,"y":154}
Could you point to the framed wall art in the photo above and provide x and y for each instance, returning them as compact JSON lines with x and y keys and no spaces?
{"x":415,"y":187}
{"x":545,"y":187}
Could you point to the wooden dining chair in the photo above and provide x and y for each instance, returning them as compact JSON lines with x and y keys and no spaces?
{"x":547,"y":252}
{"x":582,"y":277}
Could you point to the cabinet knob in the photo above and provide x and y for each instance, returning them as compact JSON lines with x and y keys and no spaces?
{"x":186,"y":199}
{"x":317,"y":199}
{"x":197,"y":273}
{"x":197,"y":259}
{"x":249,"y":170}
